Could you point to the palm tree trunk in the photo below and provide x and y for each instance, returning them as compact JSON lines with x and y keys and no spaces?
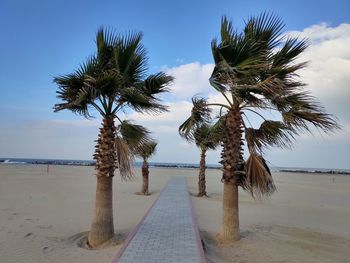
{"x":233,"y":175}
{"x":102,"y":227}
{"x":145,"y":178}
{"x":230,"y":216}
{"x":201,"y":177}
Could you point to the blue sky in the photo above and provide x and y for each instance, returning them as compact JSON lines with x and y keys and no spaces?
{"x":42,"y":39}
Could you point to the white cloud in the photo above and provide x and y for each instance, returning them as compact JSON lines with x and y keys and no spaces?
{"x":327,"y":74}
{"x":178,"y":111}
{"x":322,"y":32}
{"x":190,"y":79}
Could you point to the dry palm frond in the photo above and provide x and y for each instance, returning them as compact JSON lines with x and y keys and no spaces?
{"x":124,"y":158}
{"x":258,"y":180}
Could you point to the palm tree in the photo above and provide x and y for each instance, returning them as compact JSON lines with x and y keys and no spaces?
{"x":256,"y":71}
{"x":206,"y":137}
{"x":145,"y":151}
{"x":109,"y":82}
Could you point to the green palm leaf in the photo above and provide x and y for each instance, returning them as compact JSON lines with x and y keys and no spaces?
{"x":200,"y":114}
{"x":270,"y":133}
{"x":131,"y":57}
{"x":133,"y":134}
{"x":146,"y":149}
{"x":206,"y":137}
{"x":156,"y":83}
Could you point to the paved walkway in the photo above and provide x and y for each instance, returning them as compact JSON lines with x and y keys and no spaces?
{"x":168,"y":233}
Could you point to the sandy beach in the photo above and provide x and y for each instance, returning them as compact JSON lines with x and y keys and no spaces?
{"x":43,"y":215}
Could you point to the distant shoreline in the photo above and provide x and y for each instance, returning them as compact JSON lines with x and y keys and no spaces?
{"x":47,"y":162}
{"x":11,"y":161}
{"x":314,"y":171}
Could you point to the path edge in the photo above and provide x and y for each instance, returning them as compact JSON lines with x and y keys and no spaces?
{"x":196,"y":228}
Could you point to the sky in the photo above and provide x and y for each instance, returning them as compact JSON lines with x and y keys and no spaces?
{"x":43,"y":39}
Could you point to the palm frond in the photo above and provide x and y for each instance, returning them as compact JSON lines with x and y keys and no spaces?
{"x":131,"y":57}
{"x":105,"y":40}
{"x":146,"y":149}
{"x":207,"y":137}
{"x":265,"y":30}
{"x":200,"y":114}
{"x":270,"y":133}
{"x":227,"y":32}
{"x":139,"y":101}
{"x":105,"y":84}
{"x":300,"y":120}
{"x":82,"y":110}
{"x":258,"y":180}
{"x":291,"y":49}
{"x":269,"y":87}
{"x":133,"y":134}
{"x":218,"y":126}
{"x":299,"y":109}
{"x":106,"y":37}
{"x":156,"y":83}
{"x":73,"y":92}
{"x":240,"y":58}
{"x":125,"y":158}
{"x":222,"y":76}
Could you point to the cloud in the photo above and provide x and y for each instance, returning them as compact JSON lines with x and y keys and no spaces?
{"x":327,"y":74}
{"x":322,"y":32}
{"x":176,"y":114}
{"x":190,"y":79}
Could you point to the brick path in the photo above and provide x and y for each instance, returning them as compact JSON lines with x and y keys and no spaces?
{"x":168,"y":233}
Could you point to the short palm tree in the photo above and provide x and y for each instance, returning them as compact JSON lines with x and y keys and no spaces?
{"x":206,"y":137}
{"x":256,"y":71}
{"x":111,"y":81}
{"x":145,"y":151}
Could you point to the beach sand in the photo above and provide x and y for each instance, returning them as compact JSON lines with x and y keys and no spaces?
{"x":43,"y":216}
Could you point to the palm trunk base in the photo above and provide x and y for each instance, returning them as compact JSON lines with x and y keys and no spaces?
{"x":230,"y":218}
{"x":202,"y":186}
{"x":102,"y":227}
{"x":201,"y":177}
{"x":145,"y":179}
{"x":202,"y":194}
{"x":144,"y":189}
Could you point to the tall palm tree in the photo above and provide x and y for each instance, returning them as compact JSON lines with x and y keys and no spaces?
{"x":112,"y":81}
{"x":206,"y":137}
{"x":256,"y":71}
{"x":145,"y":151}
